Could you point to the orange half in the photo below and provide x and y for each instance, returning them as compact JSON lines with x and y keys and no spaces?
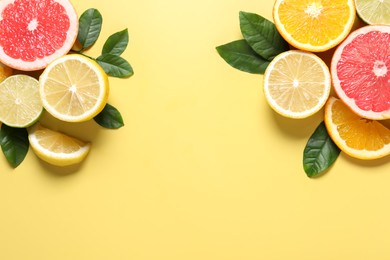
{"x":314,"y":25}
{"x":356,"y":136}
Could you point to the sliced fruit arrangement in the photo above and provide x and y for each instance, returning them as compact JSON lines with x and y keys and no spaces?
{"x":54,"y":75}
{"x":314,"y":25}
{"x":74,"y":88}
{"x":297,"y":84}
{"x":356,"y":136}
{"x":33,"y":33}
{"x":55,"y":147}
{"x":374,"y":12}
{"x":360,"y":71}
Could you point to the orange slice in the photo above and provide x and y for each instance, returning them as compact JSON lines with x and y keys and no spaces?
{"x":314,"y":25}
{"x":356,"y":136}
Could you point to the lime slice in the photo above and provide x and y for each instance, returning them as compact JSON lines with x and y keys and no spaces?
{"x":20,"y":102}
{"x":374,"y":11}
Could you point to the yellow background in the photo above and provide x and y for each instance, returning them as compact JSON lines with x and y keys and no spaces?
{"x":203,"y":169}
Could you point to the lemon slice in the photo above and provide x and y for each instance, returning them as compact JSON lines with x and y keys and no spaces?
{"x":74,"y":88}
{"x":55,"y":147}
{"x":20,"y":103}
{"x":297,"y":84}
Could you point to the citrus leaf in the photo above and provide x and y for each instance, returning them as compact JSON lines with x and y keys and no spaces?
{"x":109,"y":117}
{"x":116,"y":44}
{"x":262,"y":35}
{"x":241,"y":56}
{"x":320,"y":152}
{"x":14,"y":143}
{"x":90,"y":25}
{"x":115,"y":66}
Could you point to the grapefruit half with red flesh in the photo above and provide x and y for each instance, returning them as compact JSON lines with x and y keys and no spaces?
{"x":33,"y":33}
{"x":360,"y":71}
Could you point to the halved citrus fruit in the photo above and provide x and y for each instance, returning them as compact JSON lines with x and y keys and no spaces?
{"x":20,"y":102}
{"x":374,"y":12}
{"x":297,"y":84}
{"x":55,"y":147}
{"x":314,"y":25}
{"x":34,"y":32}
{"x":360,"y":71}
{"x":74,"y":88}
{"x":356,"y":136}
{"x":5,"y":71}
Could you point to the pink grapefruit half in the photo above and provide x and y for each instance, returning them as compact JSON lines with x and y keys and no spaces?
{"x":360,"y":71}
{"x":33,"y":33}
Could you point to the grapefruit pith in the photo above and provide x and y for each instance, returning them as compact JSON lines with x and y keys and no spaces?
{"x":360,"y":71}
{"x":33,"y":33}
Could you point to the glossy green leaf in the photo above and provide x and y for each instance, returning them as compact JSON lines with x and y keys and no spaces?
{"x":320,"y":152}
{"x":90,"y":25}
{"x":117,"y":43}
{"x":109,"y":117}
{"x":240,"y":55}
{"x":14,"y":144}
{"x":115,"y":66}
{"x":262,"y":35}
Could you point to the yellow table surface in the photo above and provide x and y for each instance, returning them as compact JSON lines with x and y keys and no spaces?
{"x":203,"y":168}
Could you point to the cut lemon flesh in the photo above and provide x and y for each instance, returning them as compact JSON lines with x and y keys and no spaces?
{"x":374,"y":11}
{"x":297,"y":84}
{"x":356,"y":136}
{"x":20,"y":102}
{"x":55,"y":147}
{"x":314,"y":25}
{"x":74,"y":88}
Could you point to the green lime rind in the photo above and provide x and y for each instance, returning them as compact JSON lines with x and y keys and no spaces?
{"x":374,"y":11}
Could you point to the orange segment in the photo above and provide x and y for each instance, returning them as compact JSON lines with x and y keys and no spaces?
{"x":314,"y":25}
{"x":356,"y":136}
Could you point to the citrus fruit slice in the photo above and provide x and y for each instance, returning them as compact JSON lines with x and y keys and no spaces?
{"x":374,"y":12}
{"x":34,"y":32}
{"x":74,"y":88}
{"x":356,"y":136}
{"x":313,"y":25}
{"x":297,"y":84}
{"x":20,"y":102}
{"x":55,"y":147}
{"x":360,"y":71}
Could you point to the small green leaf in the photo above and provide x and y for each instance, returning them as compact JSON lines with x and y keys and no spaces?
{"x":240,"y":55}
{"x":14,"y":143}
{"x":116,"y":44}
{"x":262,"y":35}
{"x":109,"y":117}
{"x":320,"y":152}
{"x":90,"y":25}
{"x":115,"y":66}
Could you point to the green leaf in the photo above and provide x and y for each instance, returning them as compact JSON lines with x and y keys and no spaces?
{"x":320,"y":152}
{"x":109,"y":117}
{"x":115,"y":66}
{"x":90,"y":25}
{"x":116,"y":44}
{"x":240,"y":55}
{"x":14,"y":143}
{"x":262,"y":35}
